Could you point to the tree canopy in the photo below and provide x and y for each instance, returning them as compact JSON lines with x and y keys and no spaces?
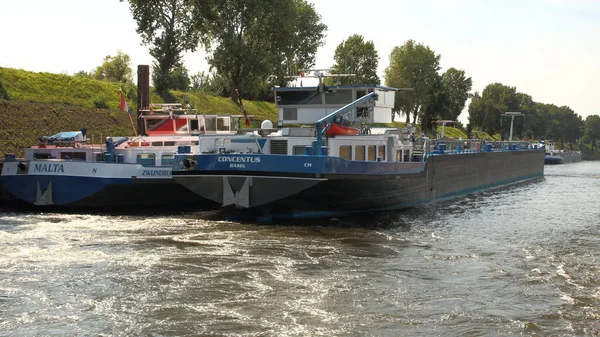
{"x":356,"y":56}
{"x":255,"y":43}
{"x":169,"y":28}
{"x":416,"y":66}
{"x":115,"y":68}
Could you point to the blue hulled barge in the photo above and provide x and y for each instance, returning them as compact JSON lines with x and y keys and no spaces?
{"x":312,"y":171}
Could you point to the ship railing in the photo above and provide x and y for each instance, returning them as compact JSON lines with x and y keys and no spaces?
{"x":473,"y":145}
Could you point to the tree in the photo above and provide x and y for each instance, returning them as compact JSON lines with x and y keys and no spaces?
{"x":180,"y":80}
{"x":414,"y":66}
{"x":455,"y":87}
{"x":115,"y":69}
{"x":355,"y":56}
{"x":485,"y":111}
{"x":592,"y":129}
{"x":257,"y":42}
{"x":169,"y":28}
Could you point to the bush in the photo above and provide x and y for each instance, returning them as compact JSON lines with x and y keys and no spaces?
{"x":3,"y":93}
{"x":100,"y":103}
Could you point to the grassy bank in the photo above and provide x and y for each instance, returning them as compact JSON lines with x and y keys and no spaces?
{"x":41,"y":104}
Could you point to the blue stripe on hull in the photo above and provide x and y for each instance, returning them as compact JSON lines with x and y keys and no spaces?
{"x":65,"y":189}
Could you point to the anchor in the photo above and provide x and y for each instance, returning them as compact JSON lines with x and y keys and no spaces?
{"x":45,"y":198}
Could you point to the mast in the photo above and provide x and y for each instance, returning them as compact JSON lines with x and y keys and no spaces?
{"x":512,"y":120}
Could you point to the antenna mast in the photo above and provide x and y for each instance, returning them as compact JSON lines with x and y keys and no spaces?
{"x":512,"y":119}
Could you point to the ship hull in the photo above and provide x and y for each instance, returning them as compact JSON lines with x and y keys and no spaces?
{"x":115,"y":187}
{"x":342,"y":191}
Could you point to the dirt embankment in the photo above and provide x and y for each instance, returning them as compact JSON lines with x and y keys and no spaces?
{"x":23,"y":123}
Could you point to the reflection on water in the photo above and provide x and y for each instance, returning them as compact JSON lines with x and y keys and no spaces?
{"x":514,"y":261}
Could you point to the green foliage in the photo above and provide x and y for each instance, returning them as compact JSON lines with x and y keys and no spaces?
{"x":355,"y":56}
{"x":455,"y":88}
{"x":485,"y":111}
{"x":168,"y":27}
{"x":180,"y":80}
{"x":25,"y":86}
{"x":100,"y":103}
{"x":540,"y":121}
{"x":252,"y":40}
{"x":416,"y":66}
{"x":3,"y":93}
{"x":592,"y":129}
{"x":115,"y":69}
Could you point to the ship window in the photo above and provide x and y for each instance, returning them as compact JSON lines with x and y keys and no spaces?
{"x":194,"y":124}
{"x":211,"y":124}
{"x":41,"y":155}
{"x":359,"y":152}
{"x":223,"y":124}
{"x":157,"y":143}
{"x":169,"y":143}
{"x":167,"y":159}
{"x":338,"y":97}
{"x":371,"y":153}
{"x":73,"y":155}
{"x":381,"y":152}
{"x":307,"y":96}
{"x":299,"y":150}
{"x":145,"y":159}
{"x":290,"y":114}
{"x":346,"y":152}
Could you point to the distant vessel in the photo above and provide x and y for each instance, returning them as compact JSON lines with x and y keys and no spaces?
{"x":306,"y":171}
{"x":555,"y":157}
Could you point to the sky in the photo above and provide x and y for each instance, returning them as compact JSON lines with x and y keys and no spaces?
{"x":548,"y":49}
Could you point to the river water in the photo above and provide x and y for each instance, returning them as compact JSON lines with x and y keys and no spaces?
{"x":514,"y":261}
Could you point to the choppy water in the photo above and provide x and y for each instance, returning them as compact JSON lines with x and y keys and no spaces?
{"x":516,"y":261}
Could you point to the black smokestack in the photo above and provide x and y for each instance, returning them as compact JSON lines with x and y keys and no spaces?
{"x":143,"y":97}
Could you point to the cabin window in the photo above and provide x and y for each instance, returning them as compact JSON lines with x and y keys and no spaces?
{"x":157,"y":143}
{"x":194,"y":124}
{"x":362,"y":113}
{"x":299,"y":150}
{"x":42,"y":155}
{"x":360,"y":93}
{"x":223,"y":124}
{"x":381,"y":152}
{"x":298,"y":97}
{"x":73,"y":155}
{"x":167,"y":159}
{"x":338,"y":97}
{"x":145,"y":159}
{"x":346,"y":152}
{"x":210,"y":124}
{"x":359,"y":152}
{"x":169,"y":143}
{"x":290,"y":114}
{"x":371,"y":152}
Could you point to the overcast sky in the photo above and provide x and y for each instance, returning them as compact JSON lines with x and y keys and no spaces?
{"x":549,"y":49}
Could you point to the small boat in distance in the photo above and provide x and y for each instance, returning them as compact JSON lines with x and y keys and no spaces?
{"x":556,"y":157}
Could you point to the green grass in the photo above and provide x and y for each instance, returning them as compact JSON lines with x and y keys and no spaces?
{"x":42,"y":104}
